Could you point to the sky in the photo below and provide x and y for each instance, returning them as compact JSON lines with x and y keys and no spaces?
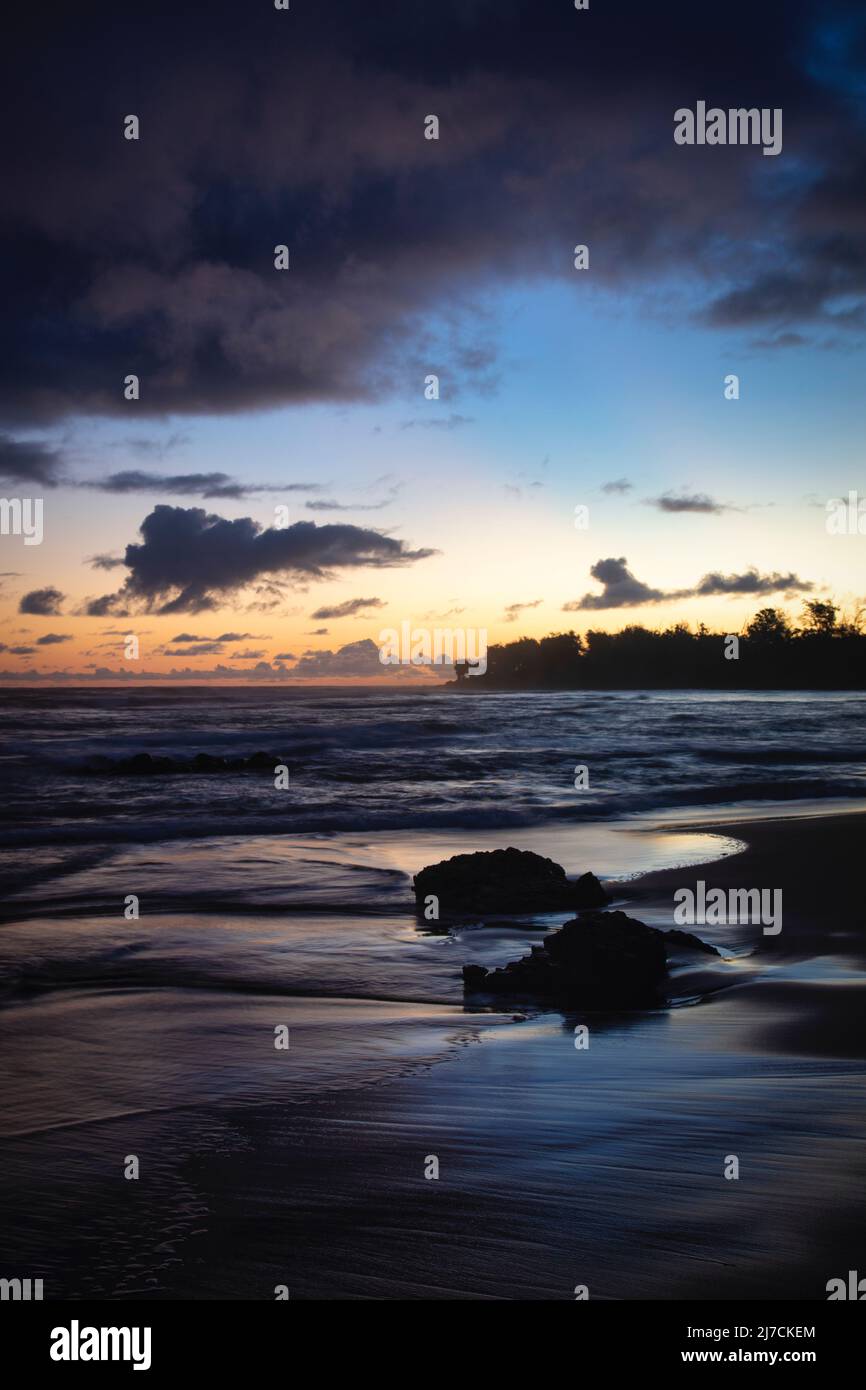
{"x":284,"y":490}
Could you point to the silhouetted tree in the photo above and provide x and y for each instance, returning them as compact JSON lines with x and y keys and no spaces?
{"x":820,"y":618}
{"x":823,"y":653}
{"x":769,"y":626}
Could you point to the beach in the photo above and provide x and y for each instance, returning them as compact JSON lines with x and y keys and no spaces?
{"x":558,"y":1167}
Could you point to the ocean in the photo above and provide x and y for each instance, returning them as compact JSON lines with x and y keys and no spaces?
{"x":159,"y":928}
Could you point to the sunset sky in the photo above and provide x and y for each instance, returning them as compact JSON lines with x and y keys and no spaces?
{"x":305,"y":388}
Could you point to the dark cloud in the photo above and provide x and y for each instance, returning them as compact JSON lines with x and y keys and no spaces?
{"x":514,"y":610}
{"x":617,"y":485}
{"x":317,"y":632}
{"x":349,"y":609}
{"x":52,"y":639}
{"x":191,"y":561}
{"x":104,"y":562}
{"x":223,"y":637}
{"x":751,"y":582}
{"x":355,"y":659}
{"x":108,"y":604}
{"x":20,"y":651}
{"x":45,"y":602}
{"x":328,"y":504}
{"x":687,"y":502}
{"x":25,"y":462}
{"x":621,"y":589}
{"x":284,"y":656}
{"x":197,"y":649}
{"x":156,"y":256}
{"x":209,"y":485}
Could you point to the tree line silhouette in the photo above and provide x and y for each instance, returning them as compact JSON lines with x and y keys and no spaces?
{"x":823,"y":652}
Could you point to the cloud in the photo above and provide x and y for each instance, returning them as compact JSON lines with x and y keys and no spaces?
{"x":356,"y":661}
{"x":44,"y":602}
{"x":128,"y":676}
{"x":782,"y":340}
{"x":17,"y":651}
{"x":158,"y":448}
{"x":317,"y":632}
{"x":327,"y":504}
{"x":51,"y":639}
{"x":525,"y":480}
{"x":349,"y":609}
{"x":161,"y":251}
{"x":434,"y":617}
{"x":451,"y":422}
{"x":617,"y":485}
{"x":751,"y":582}
{"x":191,"y":561}
{"x":29,"y":463}
{"x":620,"y":588}
{"x":208,"y":485}
{"x":687,"y":502}
{"x":284,"y":656}
{"x":359,"y":660}
{"x":108,"y":604}
{"x":104,"y":562}
{"x":514,"y":610}
{"x":223,"y":637}
{"x":197,"y":649}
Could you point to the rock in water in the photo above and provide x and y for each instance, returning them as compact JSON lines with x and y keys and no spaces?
{"x":602,"y":960}
{"x":505,"y":880}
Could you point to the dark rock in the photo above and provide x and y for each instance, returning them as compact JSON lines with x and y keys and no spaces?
{"x":263,"y":760}
{"x":473,"y":976}
{"x":206,"y":762}
{"x":601,"y":960}
{"x":588,"y":892}
{"x":688,"y":941}
{"x":505,"y":880}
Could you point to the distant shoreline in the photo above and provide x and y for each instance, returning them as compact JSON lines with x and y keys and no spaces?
{"x":476,"y":684}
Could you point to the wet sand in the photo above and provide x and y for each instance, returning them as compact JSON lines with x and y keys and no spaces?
{"x":557,"y":1166}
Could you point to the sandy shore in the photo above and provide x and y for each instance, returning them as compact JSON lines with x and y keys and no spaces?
{"x":557,"y":1166}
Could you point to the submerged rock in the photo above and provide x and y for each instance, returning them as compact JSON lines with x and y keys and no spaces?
{"x":602,"y":960}
{"x":505,"y":880}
